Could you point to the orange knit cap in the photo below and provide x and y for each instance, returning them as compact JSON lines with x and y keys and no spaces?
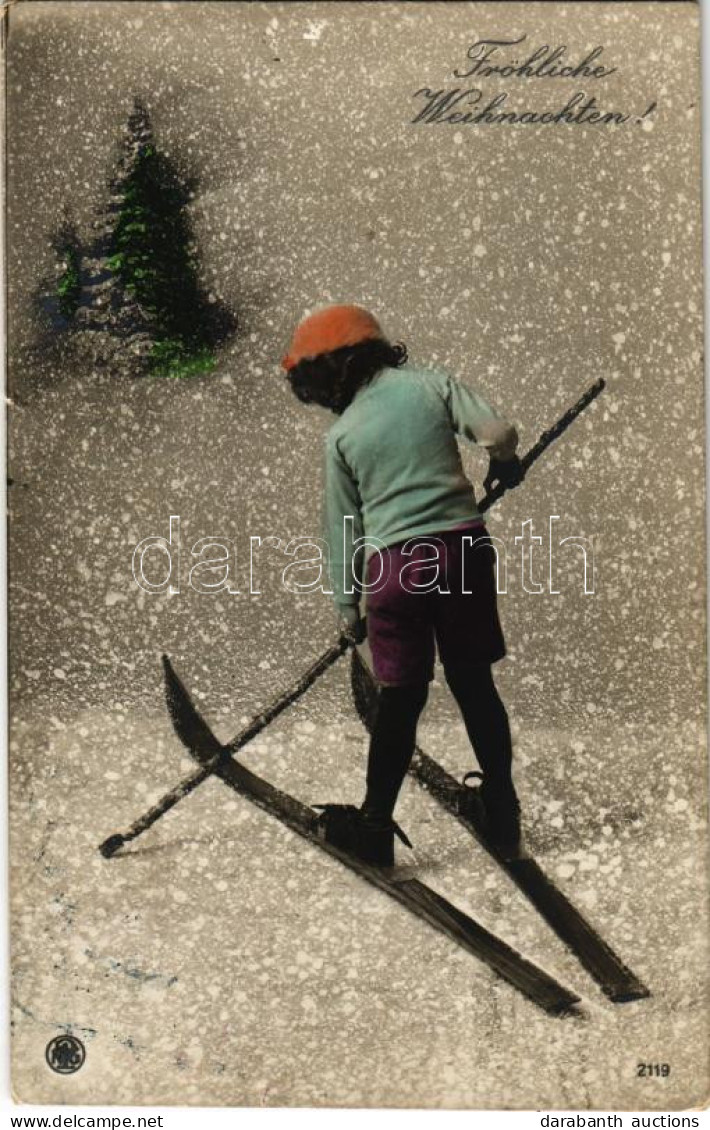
{"x":329,"y":329}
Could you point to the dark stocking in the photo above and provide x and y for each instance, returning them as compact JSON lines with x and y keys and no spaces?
{"x":485,"y":717}
{"x":392,"y":745}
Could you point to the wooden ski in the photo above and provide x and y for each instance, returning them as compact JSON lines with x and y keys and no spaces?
{"x":614,"y":977}
{"x":416,"y":896}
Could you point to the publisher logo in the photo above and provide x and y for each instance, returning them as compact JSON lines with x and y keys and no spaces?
{"x":65,"y":1054}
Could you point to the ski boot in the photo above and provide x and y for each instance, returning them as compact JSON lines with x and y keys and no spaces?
{"x":494,"y":809}
{"x":360,"y":833}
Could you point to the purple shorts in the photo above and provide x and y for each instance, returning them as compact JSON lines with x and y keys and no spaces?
{"x":412,"y":606}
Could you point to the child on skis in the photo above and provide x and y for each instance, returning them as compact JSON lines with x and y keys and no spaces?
{"x":394,"y":475}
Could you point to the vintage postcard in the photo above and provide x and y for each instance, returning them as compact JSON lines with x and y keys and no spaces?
{"x":357,"y":555}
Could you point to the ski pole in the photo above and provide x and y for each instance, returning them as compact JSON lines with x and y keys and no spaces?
{"x":545,"y":440}
{"x":110,"y":846}
{"x":221,"y":753}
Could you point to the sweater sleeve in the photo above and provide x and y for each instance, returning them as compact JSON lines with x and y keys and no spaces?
{"x":342,"y":501}
{"x":476,"y":420}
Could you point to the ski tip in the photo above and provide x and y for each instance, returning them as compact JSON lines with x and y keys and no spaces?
{"x":170,"y":680}
{"x":188,"y":723}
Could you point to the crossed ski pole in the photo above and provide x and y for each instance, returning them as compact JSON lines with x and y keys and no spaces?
{"x":110,"y":846}
{"x":222,"y":753}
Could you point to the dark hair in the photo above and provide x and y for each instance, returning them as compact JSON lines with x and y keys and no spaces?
{"x":332,"y":379}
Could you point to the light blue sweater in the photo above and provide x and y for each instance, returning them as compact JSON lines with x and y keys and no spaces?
{"x":393,"y":465}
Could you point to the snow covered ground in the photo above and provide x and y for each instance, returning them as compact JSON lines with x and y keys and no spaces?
{"x":224,"y":961}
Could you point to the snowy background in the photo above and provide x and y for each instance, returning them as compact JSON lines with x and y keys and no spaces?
{"x":222,"y":961}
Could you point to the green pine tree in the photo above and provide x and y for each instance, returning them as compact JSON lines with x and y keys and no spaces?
{"x":61,"y":298}
{"x":153,"y":255}
{"x":68,"y":283}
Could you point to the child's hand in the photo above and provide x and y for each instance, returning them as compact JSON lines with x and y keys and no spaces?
{"x":352,"y":624}
{"x":509,"y":473}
